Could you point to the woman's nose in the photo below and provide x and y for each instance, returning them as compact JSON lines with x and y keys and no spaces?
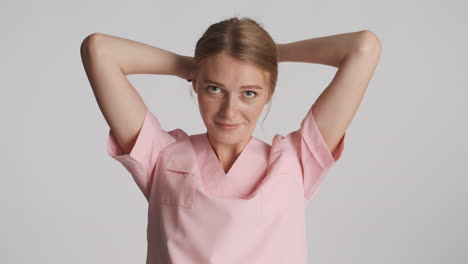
{"x":229,"y":106}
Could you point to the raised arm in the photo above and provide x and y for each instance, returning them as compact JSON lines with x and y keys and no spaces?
{"x":356,"y":55}
{"x":107,"y":60}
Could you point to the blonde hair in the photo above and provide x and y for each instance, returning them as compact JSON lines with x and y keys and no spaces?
{"x":243,"y":39}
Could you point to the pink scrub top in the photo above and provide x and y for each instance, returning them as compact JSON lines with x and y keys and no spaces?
{"x":254,"y":213}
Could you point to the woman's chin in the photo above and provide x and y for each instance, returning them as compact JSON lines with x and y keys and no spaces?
{"x":226,"y":136}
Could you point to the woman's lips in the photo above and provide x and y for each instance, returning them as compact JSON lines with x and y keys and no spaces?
{"x":228,"y":126}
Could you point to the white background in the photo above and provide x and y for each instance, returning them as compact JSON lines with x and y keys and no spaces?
{"x":397,"y":194}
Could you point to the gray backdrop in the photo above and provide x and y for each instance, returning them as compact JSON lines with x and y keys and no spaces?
{"x":397,"y":195}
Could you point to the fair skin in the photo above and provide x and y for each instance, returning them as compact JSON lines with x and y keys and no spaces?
{"x":108,"y":59}
{"x":233,"y":92}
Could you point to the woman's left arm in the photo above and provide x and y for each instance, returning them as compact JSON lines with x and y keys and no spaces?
{"x":356,"y":55}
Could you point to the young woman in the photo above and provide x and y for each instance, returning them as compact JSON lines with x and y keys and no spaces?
{"x":224,"y":196}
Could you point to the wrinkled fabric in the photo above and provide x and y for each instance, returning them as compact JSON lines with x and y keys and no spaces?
{"x":254,"y":213}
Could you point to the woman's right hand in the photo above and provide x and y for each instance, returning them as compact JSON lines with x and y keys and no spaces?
{"x":186,"y":67}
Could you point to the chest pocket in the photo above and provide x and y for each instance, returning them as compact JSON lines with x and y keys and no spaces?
{"x":177,"y":184}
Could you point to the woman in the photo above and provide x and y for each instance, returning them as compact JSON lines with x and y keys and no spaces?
{"x":224,"y":196}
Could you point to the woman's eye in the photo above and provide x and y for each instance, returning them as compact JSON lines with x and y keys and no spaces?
{"x":209,"y":87}
{"x":251,"y":93}
{"x":215,"y":89}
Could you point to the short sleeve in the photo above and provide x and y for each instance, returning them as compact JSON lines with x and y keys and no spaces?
{"x":141,"y":160}
{"x":315,"y":158}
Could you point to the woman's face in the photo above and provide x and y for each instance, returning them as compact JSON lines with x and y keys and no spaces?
{"x":230,"y":92}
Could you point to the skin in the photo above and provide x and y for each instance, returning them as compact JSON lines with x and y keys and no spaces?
{"x":221,"y":98}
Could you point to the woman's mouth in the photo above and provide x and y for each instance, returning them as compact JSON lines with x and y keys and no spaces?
{"x":227,"y":126}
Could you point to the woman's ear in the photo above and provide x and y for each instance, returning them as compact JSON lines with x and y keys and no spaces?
{"x":194,"y":85}
{"x":268,"y":98}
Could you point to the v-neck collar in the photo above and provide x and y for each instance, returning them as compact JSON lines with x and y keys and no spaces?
{"x":244,"y":175}
{"x":213,"y":159}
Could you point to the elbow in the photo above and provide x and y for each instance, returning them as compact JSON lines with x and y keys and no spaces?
{"x":89,"y":46}
{"x":368,"y":42}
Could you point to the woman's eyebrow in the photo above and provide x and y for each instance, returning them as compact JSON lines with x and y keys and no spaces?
{"x":244,"y":86}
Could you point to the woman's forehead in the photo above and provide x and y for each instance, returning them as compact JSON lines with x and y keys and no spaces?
{"x":231,"y":72}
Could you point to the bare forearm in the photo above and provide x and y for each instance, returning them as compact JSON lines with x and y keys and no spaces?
{"x":328,"y":50}
{"x":139,"y":58}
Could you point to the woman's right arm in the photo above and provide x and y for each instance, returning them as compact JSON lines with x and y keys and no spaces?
{"x":107,"y":60}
